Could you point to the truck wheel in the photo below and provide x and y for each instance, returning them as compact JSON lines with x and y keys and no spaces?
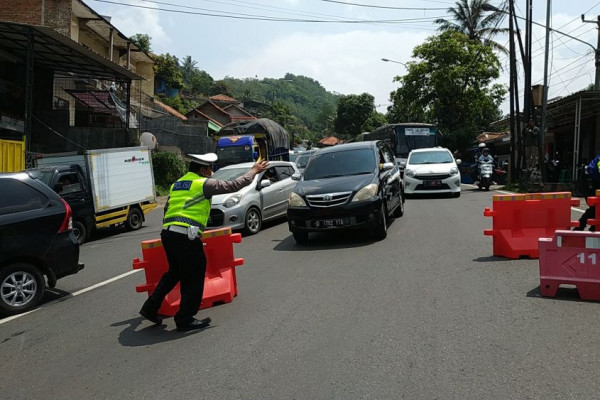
{"x":252,"y":221}
{"x":134,"y":219}
{"x":21,"y":288}
{"x":81,"y":234}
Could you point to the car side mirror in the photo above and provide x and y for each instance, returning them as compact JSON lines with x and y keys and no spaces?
{"x":264,"y":183}
{"x":296,"y":176}
{"x":387,"y":166}
{"x":458,"y":161}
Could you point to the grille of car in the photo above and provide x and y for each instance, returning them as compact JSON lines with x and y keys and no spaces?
{"x":432,"y":177}
{"x":328,"y":199}
{"x":443,"y":186}
{"x":216,"y":218}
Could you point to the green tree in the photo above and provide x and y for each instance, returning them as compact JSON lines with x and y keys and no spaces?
{"x":452,"y":87}
{"x":167,"y":67}
{"x":188,"y":66}
{"x":352,"y":113}
{"x":469,"y":17}
{"x":142,"y":41}
{"x":220,"y":87}
{"x":201,"y":82}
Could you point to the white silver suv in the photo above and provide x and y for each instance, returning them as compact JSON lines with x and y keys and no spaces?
{"x":431,"y":170}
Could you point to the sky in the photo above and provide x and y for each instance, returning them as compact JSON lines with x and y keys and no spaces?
{"x":341,"y":43}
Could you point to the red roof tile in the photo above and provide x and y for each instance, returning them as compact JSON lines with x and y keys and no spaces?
{"x":170,"y":110}
{"x":222,"y":97}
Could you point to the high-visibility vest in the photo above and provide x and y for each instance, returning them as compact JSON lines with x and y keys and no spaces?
{"x":187,"y":204}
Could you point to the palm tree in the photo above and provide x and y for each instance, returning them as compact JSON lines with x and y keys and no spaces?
{"x":469,"y":17}
{"x":188,"y":68}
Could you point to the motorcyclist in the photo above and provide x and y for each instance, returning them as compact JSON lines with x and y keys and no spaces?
{"x":484,"y":158}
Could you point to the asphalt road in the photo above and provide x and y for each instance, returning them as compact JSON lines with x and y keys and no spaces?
{"x":427,"y":313}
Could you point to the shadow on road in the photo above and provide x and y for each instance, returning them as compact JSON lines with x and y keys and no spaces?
{"x":131,"y":336}
{"x":491,"y":258}
{"x":327,"y":241}
{"x":568,"y":292}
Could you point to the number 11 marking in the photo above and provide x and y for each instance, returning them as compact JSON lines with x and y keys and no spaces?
{"x":591,"y":257}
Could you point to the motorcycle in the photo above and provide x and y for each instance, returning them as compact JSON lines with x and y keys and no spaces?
{"x":485,"y":175}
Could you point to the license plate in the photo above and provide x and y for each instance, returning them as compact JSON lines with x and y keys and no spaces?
{"x":432,"y":183}
{"x":329,"y":223}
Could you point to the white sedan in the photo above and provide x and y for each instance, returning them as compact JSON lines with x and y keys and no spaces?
{"x":431,"y":170}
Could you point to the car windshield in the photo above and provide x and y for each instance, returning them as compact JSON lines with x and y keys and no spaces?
{"x":302,"y":160}
{"x":237,"y":154}
{"x":227,"y":174}
{"x":340,"y":163}
{"x":430,"y":157}
{"x":42,"y":175}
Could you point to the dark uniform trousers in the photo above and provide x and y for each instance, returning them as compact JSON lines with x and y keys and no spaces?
{"x":187,"y":265}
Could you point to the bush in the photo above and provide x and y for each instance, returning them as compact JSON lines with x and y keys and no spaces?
{"x":167,"y":169}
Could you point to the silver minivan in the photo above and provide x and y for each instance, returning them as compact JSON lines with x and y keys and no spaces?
{"x":266,"y":198}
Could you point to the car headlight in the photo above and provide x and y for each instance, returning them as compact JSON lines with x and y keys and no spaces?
{"x":453,"y":171}
{"x":366,"y":193}
{"x":409,"y":172}
{"x":232,"y":201}
{"x":296,"y":201}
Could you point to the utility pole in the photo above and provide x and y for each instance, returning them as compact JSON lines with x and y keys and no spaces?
{"x":596,"y":51}
{"x":545,"y":93}
{"x":513,"y":153}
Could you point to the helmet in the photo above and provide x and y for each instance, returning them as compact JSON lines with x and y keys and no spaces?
{"x":481,"y":145}
{"x":485,"y":150}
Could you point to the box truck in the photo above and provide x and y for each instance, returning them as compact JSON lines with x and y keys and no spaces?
{"x":104,"y":187}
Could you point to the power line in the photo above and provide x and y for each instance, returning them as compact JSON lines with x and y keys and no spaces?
{"x":270,"y":19}
{"x":385,"y":7}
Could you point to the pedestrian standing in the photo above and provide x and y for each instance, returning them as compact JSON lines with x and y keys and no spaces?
{"x":186,"y":214}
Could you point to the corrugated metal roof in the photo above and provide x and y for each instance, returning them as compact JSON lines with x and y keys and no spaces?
{"x":54,"y":51}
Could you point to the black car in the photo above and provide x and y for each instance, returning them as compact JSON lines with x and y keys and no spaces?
{"x":348,"y":186}
{"x":36,"y":241}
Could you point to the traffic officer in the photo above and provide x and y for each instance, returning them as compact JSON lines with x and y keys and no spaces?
{"x":186,"y":213}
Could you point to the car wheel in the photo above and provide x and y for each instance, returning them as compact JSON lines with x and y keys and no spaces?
{"x":21,"y":288}
{"x":381,"y":228}
{"x":81,"y":234}
{"x":301,"y":237}
{"x":252,"y":221}
{"x":134,"y":220}
{"x":399,"y":211}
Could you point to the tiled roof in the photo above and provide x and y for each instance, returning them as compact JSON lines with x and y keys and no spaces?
{"x":170,"y":110}
{"x":196,"y":111}
{"x":222,"y":97}
{"x":330,"y":141}
{"x":487,"y":136}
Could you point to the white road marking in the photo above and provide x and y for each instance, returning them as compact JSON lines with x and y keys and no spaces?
{"x":77,"y":293}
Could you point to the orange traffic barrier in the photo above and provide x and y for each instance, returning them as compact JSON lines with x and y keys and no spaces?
{"x":594,"y":201}
{"x":571,"y":258}
{"x":520,"y":220}
{"x":220,"y":282}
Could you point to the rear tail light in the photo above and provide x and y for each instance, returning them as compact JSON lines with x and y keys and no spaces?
{"x":67,"y":223}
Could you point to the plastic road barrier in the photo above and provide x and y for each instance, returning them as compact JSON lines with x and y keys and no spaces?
{"x":520,"y":220}
{"x":572,"y":258}
{"x":220,"y":282}
{"x":594,"y":201}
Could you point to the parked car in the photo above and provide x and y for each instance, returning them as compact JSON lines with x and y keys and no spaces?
{"x":431,"y":170}
{"x":348,"y":186}
{"x":37,"y":244}
{"x":264,"y":199}
{"x":303,"y":158}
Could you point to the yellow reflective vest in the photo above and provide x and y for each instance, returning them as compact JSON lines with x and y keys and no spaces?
{"x":187,"y":204}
